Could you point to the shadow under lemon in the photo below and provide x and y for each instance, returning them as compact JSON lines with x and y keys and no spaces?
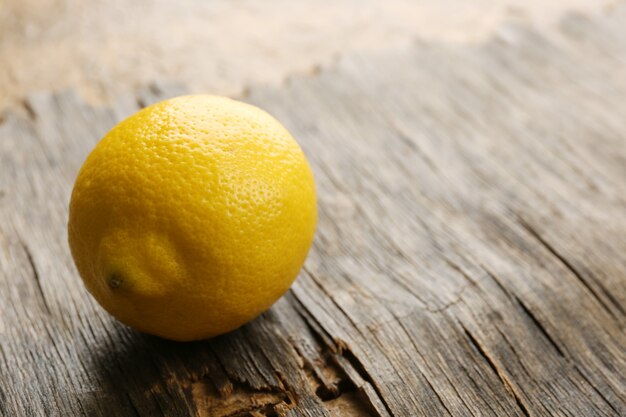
{"x":141,"y":374}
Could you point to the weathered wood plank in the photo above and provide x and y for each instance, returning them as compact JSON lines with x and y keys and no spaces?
{"x":470,"y":257}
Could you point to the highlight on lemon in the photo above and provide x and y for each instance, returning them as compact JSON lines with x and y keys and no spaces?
{"x":192,"y":216}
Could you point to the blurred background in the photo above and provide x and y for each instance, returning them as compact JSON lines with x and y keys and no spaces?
{"x":222,"y":46}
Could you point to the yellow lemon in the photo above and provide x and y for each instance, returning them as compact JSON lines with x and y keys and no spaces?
{"x":192,"y":216}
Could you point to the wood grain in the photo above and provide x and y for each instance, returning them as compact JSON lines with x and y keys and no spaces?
{"x":469,"y":261}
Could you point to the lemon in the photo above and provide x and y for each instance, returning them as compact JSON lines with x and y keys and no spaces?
{"x":192,"y":216}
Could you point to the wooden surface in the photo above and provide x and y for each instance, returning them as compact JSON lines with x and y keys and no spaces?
{"x":470,"y":258}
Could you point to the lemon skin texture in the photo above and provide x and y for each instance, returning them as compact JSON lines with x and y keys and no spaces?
{"x":192,"y":216}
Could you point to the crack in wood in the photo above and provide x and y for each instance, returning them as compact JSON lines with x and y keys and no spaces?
{"x":335,"y":382}
{"x":239,"y":397}
{"x":496,"y":369}
{"x":568,"y":265}
{"x":324,"y":387}
{"x":241,"y":400}
{"x":342,"y":384}
{"x":496,"y":281}
{"x":356,"y":364}
{"x":513,"y":349}
{"x":320,"y":335}
{"x":540,"y":327}
{"x":337,"y":355}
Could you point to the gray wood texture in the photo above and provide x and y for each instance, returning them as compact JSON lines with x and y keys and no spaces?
{"x":470,"y":258}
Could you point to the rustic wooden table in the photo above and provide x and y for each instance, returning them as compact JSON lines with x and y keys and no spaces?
{"x":470,"y":258}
